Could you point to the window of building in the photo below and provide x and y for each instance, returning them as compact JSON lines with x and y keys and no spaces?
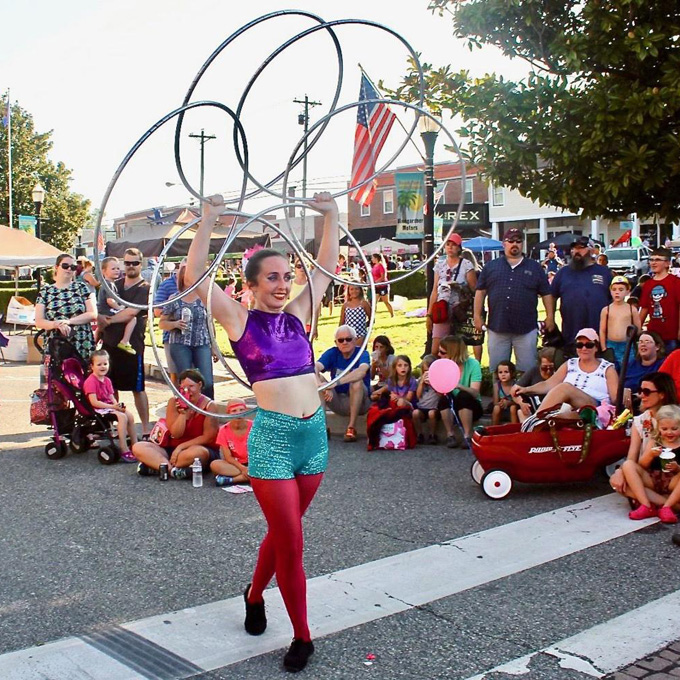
{"x":388,"y":201}
{"x":469,"y":198}
{"x":498,"y":195}
{"x":365,"y":210}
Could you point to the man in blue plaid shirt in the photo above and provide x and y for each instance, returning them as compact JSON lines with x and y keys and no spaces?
{"x":513,"y":284}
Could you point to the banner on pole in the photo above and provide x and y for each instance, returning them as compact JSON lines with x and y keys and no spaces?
{"x":410,"y":200}
{"x":27,"y":224}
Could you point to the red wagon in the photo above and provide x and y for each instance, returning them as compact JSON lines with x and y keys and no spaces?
{"x":571,"y":454}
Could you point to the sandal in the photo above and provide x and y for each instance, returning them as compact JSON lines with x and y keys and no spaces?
{"x":350,"y":435}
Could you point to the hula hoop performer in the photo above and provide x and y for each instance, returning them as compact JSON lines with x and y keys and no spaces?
{"x":287,"y":446}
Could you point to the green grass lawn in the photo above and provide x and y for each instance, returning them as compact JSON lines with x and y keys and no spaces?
{"x":407,"y":334}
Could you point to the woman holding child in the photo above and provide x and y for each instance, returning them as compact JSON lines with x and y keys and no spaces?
{"x":287,"y":445}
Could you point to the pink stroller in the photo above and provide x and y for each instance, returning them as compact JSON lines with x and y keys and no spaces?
{"x":64,"y":407}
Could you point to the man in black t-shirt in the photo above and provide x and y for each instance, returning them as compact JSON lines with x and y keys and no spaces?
{"x":127,"y":370}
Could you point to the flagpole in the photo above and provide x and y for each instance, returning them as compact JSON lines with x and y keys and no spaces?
{"x":361,"y":68}
{"x":9,"y":159}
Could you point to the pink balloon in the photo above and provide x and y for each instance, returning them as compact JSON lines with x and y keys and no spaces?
{"x":444,"y":375}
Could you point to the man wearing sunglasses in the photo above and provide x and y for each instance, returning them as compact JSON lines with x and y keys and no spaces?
{"x":513,"y":284}
{"x":660,"y":299}
{"x":582,"y":288}
{"x":127,"y":370}
{"x":349,"y":396}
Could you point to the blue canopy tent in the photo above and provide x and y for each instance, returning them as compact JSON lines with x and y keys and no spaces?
{"x":482,"y":244}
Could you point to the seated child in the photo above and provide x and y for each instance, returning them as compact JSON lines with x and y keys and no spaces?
{"x":428,"y":403}
{"x":232,"y":438}
{"x":108,"y":306}
{"x":502,"y":399}
{"x":99,"y":391}
{"x":650,"y":482}
{"x":615,"y":319}
{"x":401,"y":386}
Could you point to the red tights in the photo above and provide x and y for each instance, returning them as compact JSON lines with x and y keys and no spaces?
{"x":283,"y":502}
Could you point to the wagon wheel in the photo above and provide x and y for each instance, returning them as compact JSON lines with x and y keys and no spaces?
{"x":496,"y":484}
{"x":477,"y":472}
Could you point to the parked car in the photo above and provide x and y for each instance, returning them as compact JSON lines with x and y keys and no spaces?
{"x":629,"y":262}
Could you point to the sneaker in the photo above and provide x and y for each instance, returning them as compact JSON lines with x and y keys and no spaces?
{"x":643,"y":512}
{"x":256,"y":617}
{"x":223,"y":480}
{"x":128,"y":457}
{"x":455,"y":440}
{"x":421,"y":439}
{"x":297,"y":656}
{"x":143,"y":470}
{"x":179,"y":473}
{"x":126,"y":347}
{"x":432,"y":439}
{"x":667,"y":516}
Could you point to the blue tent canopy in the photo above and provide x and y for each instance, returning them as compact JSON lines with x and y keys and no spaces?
{"x":481,"y":244}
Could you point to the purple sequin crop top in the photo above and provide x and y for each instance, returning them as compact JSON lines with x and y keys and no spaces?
{"x":273,"y":345}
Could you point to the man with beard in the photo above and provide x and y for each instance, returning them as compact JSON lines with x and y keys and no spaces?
{"x":513,"y":284}
{"x":583,"y":288}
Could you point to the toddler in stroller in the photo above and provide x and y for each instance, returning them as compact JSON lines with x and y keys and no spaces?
{"x":63,"y":406}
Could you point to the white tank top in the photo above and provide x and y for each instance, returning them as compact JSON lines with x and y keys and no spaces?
{"x":593,"y":384}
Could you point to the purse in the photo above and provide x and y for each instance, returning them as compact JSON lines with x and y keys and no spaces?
{"x":440,"y":311}
{"x":160,"y":433}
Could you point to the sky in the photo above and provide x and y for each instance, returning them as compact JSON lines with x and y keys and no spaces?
{"x":100,"y":73}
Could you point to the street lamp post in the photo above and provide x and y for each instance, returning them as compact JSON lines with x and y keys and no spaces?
{"x":38,"y":200}
{"x":429,"y":129}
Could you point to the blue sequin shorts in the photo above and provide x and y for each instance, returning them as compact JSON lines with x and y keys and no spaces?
{"x":282,"y":446}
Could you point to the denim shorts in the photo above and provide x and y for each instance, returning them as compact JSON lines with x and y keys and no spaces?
{"x":282,"y":446}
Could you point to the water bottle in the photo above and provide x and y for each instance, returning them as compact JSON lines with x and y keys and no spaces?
{"x":186,"y":317}
{"x":197,"y":473}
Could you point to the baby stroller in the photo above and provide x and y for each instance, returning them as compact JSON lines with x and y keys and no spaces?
{"x":63,"y":406}
{"x":563,"y":451}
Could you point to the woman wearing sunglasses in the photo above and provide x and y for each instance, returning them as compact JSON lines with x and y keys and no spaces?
{"x":582,"y":381}
{"x":656,"y":390}
{"x":68,"y":308}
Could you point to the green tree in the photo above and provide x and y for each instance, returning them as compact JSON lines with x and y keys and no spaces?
{"x":594,"y":126}
{"x":63,"y":212}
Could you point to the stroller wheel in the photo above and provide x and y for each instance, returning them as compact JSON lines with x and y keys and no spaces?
{"x":108,"y":455}
{"x":79,"y":442}
{"x":55,"y":450}
{"x":496,"y":484}
{"x":477,"y":472}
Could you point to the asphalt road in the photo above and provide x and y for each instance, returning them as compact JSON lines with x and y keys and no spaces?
{"x":84,"y":547}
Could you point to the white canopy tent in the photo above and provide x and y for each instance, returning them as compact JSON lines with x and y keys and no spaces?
{"x":20,"y":249}
{"x":387,"y":246}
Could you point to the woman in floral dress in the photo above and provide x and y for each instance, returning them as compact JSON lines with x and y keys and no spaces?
{"x":68,"y":308}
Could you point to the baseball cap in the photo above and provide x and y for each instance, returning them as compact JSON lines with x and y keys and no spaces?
{"x":620,"y":279}
{"x":584,"y":241}
{"x":511,"y":234}
{"x":455,"y":238}
{"x":588,"y":333}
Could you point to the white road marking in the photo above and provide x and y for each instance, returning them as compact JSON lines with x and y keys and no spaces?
{"x":609,"y":646}
{"x":211,"y":636}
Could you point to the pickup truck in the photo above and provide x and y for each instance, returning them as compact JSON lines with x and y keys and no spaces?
{"x":629,"y":262}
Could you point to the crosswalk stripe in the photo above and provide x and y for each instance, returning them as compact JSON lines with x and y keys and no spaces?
{"x":211,"y":636}
{"x":611,"y":645}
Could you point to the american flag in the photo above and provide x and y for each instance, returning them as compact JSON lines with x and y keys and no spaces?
{"x":374,"y":122}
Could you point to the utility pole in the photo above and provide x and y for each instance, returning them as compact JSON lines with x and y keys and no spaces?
{"x":303,"y":119}
{"x":204,"y":138}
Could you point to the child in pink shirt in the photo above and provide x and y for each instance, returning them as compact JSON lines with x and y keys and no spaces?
{"x":232,"y":438}
{"x":99,"y":391}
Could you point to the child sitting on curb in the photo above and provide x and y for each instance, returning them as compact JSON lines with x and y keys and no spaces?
{"x":232,"y":438}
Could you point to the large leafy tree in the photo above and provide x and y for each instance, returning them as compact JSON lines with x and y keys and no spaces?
{"x":64,"y":212}
{"x":595,"y":124}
